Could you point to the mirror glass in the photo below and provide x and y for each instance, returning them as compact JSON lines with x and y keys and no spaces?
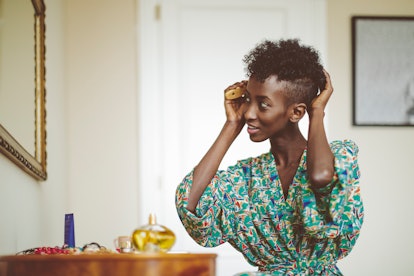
{"x":17,"y":70}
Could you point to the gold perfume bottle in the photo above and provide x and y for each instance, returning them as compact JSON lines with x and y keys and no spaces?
{"x":153,"y":237}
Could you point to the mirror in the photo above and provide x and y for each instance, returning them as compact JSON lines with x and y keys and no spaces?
{"x":12,"y":138}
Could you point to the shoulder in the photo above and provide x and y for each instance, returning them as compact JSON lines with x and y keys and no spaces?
{"x":344,"y":147}
{"x":259,"y":160}
{"x":251,"y":165}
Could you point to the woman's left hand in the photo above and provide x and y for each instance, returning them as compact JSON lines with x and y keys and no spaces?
{"x":320,"y":102}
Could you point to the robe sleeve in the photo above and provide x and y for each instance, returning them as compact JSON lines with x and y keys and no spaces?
{"x":336,"y":211}
{"x":210,"y":224}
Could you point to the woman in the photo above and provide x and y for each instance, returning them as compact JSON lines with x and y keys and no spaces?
{"x":296,"y":209}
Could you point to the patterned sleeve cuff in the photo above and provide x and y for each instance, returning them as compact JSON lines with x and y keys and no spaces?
{"x":209,"y":225}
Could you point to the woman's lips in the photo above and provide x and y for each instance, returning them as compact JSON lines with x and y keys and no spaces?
{"x":252,"y":129}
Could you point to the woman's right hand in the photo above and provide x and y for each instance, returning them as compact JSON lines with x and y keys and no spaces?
{"x":235,"y":108}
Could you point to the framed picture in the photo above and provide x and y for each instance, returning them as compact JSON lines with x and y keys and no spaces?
{"x":383,"y":71}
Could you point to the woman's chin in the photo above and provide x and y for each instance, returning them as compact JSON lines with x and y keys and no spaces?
{"x":257,"y":139}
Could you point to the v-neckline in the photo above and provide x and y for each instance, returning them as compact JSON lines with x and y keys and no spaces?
{"x":279,"y":182}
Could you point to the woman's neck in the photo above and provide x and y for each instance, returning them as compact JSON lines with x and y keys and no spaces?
{"x":287,"y":150}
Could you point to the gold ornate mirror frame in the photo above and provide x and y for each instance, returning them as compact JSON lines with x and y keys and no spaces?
{"x":34,"y":165}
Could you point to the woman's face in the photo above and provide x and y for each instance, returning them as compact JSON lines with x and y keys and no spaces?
{"x":266,"y":111}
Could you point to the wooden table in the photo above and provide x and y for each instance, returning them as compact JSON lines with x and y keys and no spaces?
{"x":169,"y":264}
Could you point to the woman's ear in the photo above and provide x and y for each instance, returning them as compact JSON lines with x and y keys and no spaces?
{"x":297,"y":112}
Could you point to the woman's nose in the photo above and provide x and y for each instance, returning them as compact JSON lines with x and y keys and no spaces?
{"x":250,"y":113}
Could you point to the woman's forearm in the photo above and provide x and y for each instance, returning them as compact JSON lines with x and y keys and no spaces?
{"x":320,"y":160}
{"x":209,"y":164}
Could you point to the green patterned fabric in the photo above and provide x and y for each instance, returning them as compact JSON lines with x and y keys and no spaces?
{"x":304,"y":234}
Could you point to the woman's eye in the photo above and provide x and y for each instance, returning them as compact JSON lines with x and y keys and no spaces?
{"x":264,"y":105}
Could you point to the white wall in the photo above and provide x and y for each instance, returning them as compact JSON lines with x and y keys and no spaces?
{"x":385,"y":244}
{"x":54,"y":197}
{"x":101,"y":98}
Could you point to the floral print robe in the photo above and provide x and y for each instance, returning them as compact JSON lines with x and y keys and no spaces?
{"x":304,"y":234}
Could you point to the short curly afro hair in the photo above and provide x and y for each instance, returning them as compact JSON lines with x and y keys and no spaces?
{"x":290,"y":61}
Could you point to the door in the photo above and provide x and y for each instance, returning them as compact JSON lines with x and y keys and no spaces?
{"x":189,"y":52}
